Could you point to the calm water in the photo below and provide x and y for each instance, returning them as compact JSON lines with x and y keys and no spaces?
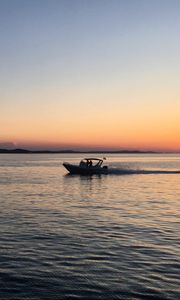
{"x":101,"y":237}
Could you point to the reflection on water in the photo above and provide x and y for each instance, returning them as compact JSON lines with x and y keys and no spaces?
{"x":89,"y":237}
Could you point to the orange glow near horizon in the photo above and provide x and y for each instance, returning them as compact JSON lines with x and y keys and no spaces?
{"x":106,"y":131}
{"x":110,"y":127}
{"x":114,"y":135}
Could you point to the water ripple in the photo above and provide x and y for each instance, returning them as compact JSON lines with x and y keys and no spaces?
{"x":103,"y":237}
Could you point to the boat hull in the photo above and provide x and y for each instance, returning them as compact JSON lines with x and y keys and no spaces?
{"x":74,"y":169}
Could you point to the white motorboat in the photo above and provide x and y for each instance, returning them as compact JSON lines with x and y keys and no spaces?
{"x":87,"y":166}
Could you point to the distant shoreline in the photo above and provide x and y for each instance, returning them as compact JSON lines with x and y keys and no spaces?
{"x":25,"y":151}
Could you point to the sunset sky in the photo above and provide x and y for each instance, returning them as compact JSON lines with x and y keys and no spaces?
{"x":99,"y":74}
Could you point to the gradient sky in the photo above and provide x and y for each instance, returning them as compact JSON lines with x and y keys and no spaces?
{"x":90,"y":74}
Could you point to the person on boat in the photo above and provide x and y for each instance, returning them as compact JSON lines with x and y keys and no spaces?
{"x":89,"y":163}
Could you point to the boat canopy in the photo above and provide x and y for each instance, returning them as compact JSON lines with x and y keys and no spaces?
{"x":93,"y":159}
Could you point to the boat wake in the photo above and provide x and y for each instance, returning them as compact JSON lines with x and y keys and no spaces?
{"x":120,"y":171}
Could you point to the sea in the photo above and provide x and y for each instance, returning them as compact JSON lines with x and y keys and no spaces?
{"x":114,"y":236}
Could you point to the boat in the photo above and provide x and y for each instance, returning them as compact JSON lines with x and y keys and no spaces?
{"x":87,"y":166}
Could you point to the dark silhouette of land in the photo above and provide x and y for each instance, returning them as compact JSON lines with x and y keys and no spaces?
{"x":25,"y":151}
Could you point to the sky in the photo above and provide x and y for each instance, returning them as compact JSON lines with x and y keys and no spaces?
{"x":99,"y":74}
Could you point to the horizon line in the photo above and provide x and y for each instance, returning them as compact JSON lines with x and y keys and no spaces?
{"x":125,"y":151}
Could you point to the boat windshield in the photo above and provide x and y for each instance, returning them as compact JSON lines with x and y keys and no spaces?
{"x":91,"y":162}
{"x":83,"y":163}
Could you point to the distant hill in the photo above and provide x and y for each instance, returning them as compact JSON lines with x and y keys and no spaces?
{"x":25,"y":151}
